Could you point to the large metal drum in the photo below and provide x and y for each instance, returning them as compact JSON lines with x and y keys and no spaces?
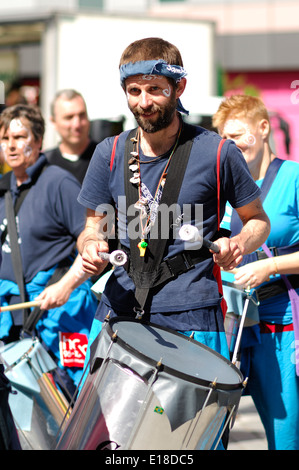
{"x":37,"y":405}
{"x":151,"y":388}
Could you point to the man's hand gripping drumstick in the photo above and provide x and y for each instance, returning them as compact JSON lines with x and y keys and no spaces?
{"x":250,"y":238}
{"x":226,"y":252}
{"x":93,"y":246}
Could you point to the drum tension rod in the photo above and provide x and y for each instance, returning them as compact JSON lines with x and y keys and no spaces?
{"x":212,"y":387}
{"x":107,"y":317}
{"x":159,"y":364}
{"x":244,"y":383}
{"x":227,"y":421}
{"x":214,"y":383}
{"x":114,"y":335}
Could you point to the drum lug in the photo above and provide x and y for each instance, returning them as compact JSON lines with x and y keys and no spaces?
{"x":114,"y":337}
{"x":158,"y":366}
{"x":244,"y":383}
{"x":213,"y":384}
{"x":107,"y":318}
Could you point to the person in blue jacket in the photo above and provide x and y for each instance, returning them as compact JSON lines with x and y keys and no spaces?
{"x":49,"y":221}
{"x":9,"y":439}
{"x":269,"y":350}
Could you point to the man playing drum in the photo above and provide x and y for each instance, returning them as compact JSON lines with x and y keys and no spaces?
{"x":165,"y":162}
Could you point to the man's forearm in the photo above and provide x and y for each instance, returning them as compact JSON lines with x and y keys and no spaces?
{"x":75,"y":276}
{"x":95,"y":230}
{"x":88,"y":235}
{"x":256,"y":229}
{"x":91,"y":242}
{"x":253,"y":234}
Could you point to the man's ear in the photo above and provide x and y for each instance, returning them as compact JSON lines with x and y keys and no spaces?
{"x":181,"y":85}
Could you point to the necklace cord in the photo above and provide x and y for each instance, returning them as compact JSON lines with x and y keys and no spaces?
{"x":135,"y":153}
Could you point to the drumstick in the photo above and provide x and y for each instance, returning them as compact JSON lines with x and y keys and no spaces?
{"x":189,"y":233}
{"x":8,"y":308}
{"x":240,"y":331}
{"x":116,"y":258}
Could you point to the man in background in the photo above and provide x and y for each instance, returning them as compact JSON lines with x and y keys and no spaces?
{"x":70,"y":119}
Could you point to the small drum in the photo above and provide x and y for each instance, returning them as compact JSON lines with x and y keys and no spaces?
{"x":235,"y":301}
{"x":151,"y":388}
{"x":37,"y":406}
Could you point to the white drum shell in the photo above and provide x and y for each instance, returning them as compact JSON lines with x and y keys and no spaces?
{"x":108,"y":409}
{"x":118,"y":408}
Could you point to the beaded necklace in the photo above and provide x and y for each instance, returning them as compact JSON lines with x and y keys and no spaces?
{"x":142,"y":203}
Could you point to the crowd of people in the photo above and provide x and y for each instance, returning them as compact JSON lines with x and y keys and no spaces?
{"x":60,"y":197}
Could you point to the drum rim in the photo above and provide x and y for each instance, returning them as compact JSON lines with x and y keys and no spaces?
{"x":170,"y":370}
{"x":24,"y":355}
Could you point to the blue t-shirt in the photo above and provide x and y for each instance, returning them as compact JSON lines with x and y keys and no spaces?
{"x":49,"y":221}
{"x":197,"y":199}
{"x":282,"y":207}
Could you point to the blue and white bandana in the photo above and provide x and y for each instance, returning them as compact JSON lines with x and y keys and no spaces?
{"x":154,"y":67}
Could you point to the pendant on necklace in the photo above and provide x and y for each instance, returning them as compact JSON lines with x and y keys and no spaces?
{"x":135,"y":179}
{"x":132,"y":160}
{"x":147,"y":229}
{"x":133,"y":167}
{"x":142,"y":205}
{"x":142,"y":247}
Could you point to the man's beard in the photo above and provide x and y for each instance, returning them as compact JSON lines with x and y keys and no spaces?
{"x":164,"y":119}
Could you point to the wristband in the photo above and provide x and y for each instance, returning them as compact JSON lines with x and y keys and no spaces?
{"x":275,"y":266}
